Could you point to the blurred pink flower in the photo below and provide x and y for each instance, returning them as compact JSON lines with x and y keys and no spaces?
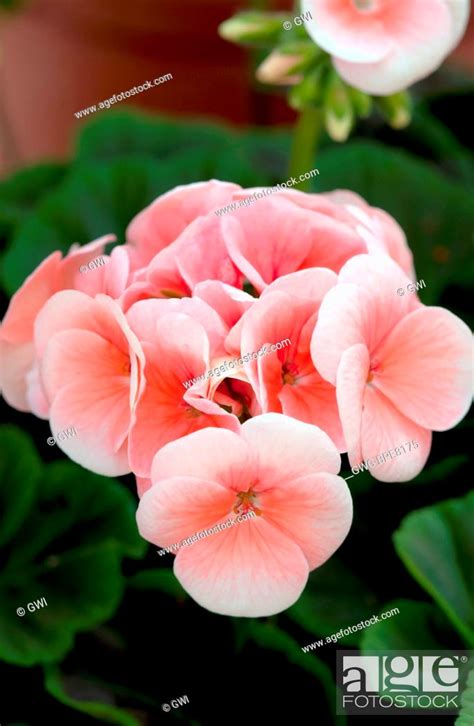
{"x":384,"y":46}
{"x":283,"y":470}
{"x":401,"y":369}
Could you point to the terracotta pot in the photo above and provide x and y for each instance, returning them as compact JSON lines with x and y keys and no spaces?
{"x":60,"y":56}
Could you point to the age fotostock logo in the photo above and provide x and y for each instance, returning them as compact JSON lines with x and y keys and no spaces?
{"x":420,"y":682}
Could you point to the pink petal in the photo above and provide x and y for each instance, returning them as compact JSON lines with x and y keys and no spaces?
{"x":17,"y":326}
{"x":343,"y":30}
{"x":272,"y":319}
{"x":286,"y":449}
{"x":164,"y":276}
{"x":162,"y":222}
{"x":363,"y":308}
{"x":426,"y":368}
{"x":312,"y":284}
{"x":352,"y":377}
{"x":344,"y":320}
{"x":143,"y":484}
{"x":99,"y":429}
{"x":460,"y":17}
{"x":315,"y":511}
{"x":144,"y":315}
{"x":64,"y":310}
{"x":167,"y":411}
{"x":382,"y":277}
{"x":16,"y":360}
{"x":422,"y":34}
{"x":88,"y":375}
{"x":249,"y":570}
{"x":179,"y":507}
{"x":70,"y":309}
{"x":35,"y":393}
{"x":385,"y":429}
{"x":313,"y":401}
{"x":392,"y":238}
{"x":228,"y":301}
{"x":201,"y":254}
{"x":280,"y":237}
{"x":78,"y":256}
{"x":212,"y":454}
{"x":135,"y":292}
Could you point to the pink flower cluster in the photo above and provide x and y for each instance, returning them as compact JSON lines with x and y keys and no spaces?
{"x":108,"y":353}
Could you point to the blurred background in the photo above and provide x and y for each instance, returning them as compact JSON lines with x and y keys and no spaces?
{"x":118,"y":637}
{"x":60,"y":56}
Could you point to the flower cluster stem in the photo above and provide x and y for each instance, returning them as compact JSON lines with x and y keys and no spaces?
{"x":306,"y":138}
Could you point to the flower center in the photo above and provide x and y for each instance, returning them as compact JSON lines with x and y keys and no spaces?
{"x":373,"y":370}
{"x":172,"y":293}
{"x":245,"y":502}
{"x":289,"y":373}
{"x":191,"y":412}
{"x":364,"y":4}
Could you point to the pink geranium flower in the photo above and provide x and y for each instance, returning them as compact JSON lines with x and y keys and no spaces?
{"x":162,"y":222}
{"x":380,"y":232}
{"x":178,"y":338}
{"x":18,"y":356}
{"x":91,"y":369}
{"x":275,"y":236}
{"x":285,"y":380}
{"x":283,"y":470}
{"x":384,"y":46}
{"x":401,"y":369}
{"x":183,"y":242}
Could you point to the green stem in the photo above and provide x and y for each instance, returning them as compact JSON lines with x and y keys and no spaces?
{"x":306,"y":138}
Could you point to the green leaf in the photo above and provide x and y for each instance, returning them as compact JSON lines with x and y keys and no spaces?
{"x":94,"y":200}
{"x":162,"y":580}
{"x":21,"y":466}
{"x":78,"y":528}
{"x":253,"y":160}
{"x":248,"y":158}
{"x":437,"y":547}
{"x":466,"y":714}
{"x":81,"y":588}
{"x":66,"y":690}
{"x":125,"y":134}
{"x":124,"y":163}
{"x":436,"y":214}
{"x":412,"y":628}
{"x":21,"y":192}
{"x":11,"y":5}
{"x":334,"y":598}
{"x":81,"y":507}
{"x":432,"y":136}
{"x":441,"y":471}
{"x":269,"y":636}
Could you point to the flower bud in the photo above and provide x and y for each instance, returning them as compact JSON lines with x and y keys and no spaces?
{"x":361,"y":102}
{"x":253,"y":27}
{"x":277,"y":68}
{"x":309,"y":91}
{"x":338,"y":110}
{"x":396,"y":109}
